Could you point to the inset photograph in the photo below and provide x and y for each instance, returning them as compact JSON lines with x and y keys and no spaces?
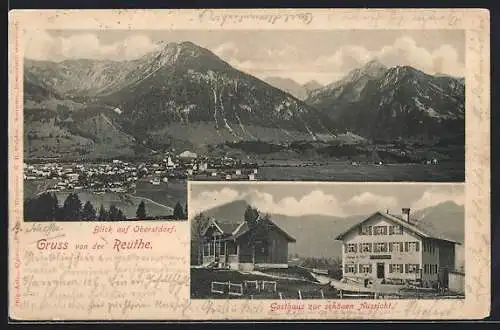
{"x":286,"y":240}
{"x":109,"y":190}
{"x":323,"y":105}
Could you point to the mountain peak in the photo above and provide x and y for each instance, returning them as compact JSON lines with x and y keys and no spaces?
{"x":164,"y":45}
{"x":374,"y":63}
{"x":374,"y":67}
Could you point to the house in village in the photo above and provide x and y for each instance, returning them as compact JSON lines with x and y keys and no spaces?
{"x":227,"y":245}
{"x":394,"y":248}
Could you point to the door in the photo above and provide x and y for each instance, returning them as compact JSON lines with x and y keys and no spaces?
{"x":380,"y":270}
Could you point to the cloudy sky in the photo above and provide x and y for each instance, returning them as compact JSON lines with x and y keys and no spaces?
{"x":321,"y":55}
{"x":337,"y":199}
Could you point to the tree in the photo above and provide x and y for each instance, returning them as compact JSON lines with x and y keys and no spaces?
{"x":54,"y":207}
{"x":41,"y":208}
{"x":141,"y":211}
{"x":30,"y":209}
{"x":72,"y":207}
{"x":178,"y":212}
{"x":88,"y":213}
{"x":251,"y":215}
{"x":258,"y":228}
{"x":198,"y":224}
{"x":113,"y":213}
{"x":103,"y":214}
{"x":120,"y":215}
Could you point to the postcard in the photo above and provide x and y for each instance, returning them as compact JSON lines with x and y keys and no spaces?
{"x":250,"y":164}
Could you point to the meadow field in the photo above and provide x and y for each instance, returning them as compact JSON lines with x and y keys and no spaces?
{"x":165,"y":193}
{"x":343,"y":171}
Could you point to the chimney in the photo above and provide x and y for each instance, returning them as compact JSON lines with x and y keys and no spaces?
{"x":387,"y":211}
{"x":406,"y":214}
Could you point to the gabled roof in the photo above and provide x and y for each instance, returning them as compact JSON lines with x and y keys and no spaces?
{"x":238,"y":229}
{"x":411,"y":226}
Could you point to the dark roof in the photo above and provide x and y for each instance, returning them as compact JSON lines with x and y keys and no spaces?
{"x":413,"y":226}
{"x":237,"y":229}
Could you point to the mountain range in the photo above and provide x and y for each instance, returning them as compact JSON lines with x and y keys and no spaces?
{"x":316,"y":234}
{"x":401,"y":101}
{"x":184,"y":96}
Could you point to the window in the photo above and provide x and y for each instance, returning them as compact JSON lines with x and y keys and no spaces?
{"x":400,"y":246}
{"x":380,"y":247}
{"x":365,"y":247}
{"x":412,"y":247}
{"x":365,"y":268}
{"x":365,"y":230}
{"x":395,"y":247}
{"x":395,"y":230}
{"x":426,"y":269}
{"x":380,"y":230}
{"x":395,"y":268}
{"x":414,"y":268}
{"x":411,"y":268}
{"x":351,"y":248}
{"x":350,"y":268}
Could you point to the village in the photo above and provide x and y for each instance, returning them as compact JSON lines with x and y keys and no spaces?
{"x":121,"y":176}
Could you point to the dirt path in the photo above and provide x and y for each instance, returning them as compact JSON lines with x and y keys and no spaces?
{"x":152,"y":201}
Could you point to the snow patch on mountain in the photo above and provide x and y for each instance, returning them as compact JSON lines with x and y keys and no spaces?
{"x":428,"y":110}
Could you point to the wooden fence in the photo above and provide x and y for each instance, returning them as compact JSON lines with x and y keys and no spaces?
{"x":238,"y":289}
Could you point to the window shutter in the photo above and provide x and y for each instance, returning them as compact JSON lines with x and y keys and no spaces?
{"x":417,"y":246}
{"x":407,"y":246}
{"x":401,"y":268}
{"x":406,"y":268}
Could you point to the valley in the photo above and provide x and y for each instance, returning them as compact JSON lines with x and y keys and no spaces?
{"x":183,"y":97}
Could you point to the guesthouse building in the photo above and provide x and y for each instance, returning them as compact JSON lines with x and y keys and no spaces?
{"x":391,"y":248}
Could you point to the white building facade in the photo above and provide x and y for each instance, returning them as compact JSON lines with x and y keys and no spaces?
{"x":390,"y":248}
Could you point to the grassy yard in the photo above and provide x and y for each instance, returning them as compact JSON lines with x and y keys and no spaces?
{"x":165,"y":193}
{"x":201,"y":286}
